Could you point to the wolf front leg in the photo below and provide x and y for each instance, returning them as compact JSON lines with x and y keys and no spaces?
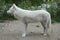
{"x":25,"y":31}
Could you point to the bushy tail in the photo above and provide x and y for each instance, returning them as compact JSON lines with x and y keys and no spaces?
{"x":49,"y":27}
{"x":49,"y":23}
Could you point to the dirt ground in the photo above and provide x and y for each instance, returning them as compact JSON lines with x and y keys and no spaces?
{"x":12,"y":30}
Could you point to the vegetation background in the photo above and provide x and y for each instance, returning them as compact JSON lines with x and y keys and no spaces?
{"x":52,"y":6}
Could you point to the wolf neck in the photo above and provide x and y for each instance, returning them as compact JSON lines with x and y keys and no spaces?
{"x":20,"y":12}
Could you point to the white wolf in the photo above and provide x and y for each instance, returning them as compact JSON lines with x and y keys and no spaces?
{"x":29,"y":16}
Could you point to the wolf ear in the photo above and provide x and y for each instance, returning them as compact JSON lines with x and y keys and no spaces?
{"x":14,"y":6}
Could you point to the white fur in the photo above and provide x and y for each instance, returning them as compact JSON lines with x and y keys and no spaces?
{"x":29,"y":16}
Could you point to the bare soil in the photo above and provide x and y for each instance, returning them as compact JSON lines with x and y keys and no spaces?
{"x":12,"y":30}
